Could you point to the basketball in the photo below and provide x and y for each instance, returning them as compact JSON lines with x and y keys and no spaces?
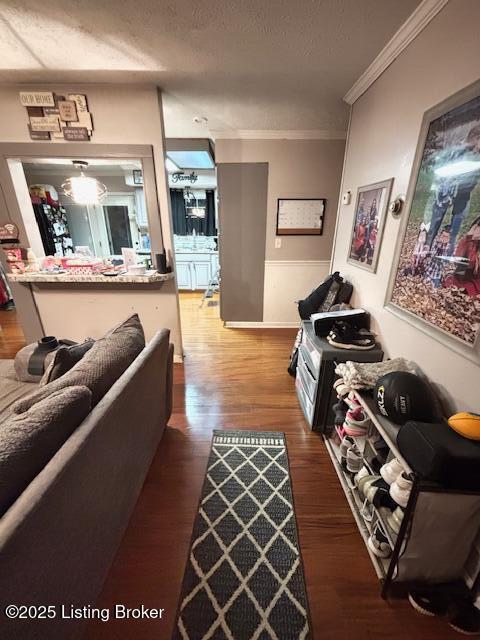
{"x":401,"y":396}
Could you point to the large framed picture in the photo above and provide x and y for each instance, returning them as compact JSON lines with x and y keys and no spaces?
{"x":435,"y":279}
{"x":368,"y":223}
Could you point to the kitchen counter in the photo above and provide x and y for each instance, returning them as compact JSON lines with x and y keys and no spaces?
{"x":59,"y":278}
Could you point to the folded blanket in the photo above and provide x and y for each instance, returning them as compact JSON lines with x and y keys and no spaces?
{"x":364,"y":375}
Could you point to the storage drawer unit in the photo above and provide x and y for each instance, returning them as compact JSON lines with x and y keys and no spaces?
{"x":317,"y":360}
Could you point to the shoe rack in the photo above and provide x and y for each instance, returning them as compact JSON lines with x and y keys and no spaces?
{"x":435,"y":541}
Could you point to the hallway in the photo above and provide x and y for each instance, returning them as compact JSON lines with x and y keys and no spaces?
{"x":238,"y":379}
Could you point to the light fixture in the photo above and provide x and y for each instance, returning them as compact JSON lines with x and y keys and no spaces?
{"x":457,"y":168}
{"x":171,"y":166}
{"x":84,"y":189}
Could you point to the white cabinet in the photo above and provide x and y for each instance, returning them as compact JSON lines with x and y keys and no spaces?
{"x":184,"y":275}
{"x":202,"y":274}
{"x":195,"y":270}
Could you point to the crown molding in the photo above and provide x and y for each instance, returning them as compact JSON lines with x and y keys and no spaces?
{"x":270,"y":134}
{"x":415,"y":23}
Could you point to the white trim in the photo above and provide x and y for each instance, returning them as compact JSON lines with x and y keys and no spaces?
{"x":177,"y":359}
{"x":307,"y":263}
{"x":232,"y":324}
{"x":342,"y":191}
{"x":410,"y":29}
{"x":288,"y":134}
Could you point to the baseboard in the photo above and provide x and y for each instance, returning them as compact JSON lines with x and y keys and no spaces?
{"x":261,"y":325}
{"x":177,"y":358}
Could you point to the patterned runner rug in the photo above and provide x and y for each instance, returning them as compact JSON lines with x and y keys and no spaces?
{"x":244,"y":577}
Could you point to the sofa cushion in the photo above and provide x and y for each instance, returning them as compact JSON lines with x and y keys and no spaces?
{"x":29,"y":440}
{"x":100,"y":367}
{"x":64,"y":359}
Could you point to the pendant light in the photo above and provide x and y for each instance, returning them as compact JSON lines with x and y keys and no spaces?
{"x":84,"y":189}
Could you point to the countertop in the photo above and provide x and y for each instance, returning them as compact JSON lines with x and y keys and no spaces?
{"x":93,"y":278}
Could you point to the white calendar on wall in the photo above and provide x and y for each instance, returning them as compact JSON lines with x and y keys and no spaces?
{"x":300,"y":216}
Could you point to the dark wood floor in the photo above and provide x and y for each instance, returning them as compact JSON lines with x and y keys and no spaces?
{"x":237,"y":379}
{"x":11,"y":335}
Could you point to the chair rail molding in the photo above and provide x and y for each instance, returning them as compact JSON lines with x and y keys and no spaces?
{"x":410,"y":29}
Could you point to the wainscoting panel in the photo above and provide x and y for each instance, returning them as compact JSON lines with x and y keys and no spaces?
{"x":287,"y":281}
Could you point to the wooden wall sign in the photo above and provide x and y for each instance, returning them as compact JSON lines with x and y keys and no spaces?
{"x":57,"y":117}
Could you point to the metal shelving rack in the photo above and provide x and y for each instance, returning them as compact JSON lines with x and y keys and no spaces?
{"x":387,"y":569}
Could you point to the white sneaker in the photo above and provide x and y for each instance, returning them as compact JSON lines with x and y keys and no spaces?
{"x":363,"y":473}
{"x":391,"y":470}
{"x":379,"y":545}
{"x":354,"y":459}
{"x":394,"y":520}
{"x":400,"y":489}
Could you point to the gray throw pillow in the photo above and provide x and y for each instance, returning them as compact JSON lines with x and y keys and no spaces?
{"x":28,"y":441}
{"x":100,"y":367}
{"x":64,"y":359}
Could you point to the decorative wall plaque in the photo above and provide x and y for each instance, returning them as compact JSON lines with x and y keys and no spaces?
{"x":57,"y":117}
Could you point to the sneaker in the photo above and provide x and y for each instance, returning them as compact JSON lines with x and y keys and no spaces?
{"x":394,"y":519}
{"x":345,"y":445}
{"x":364,"y":483}
{"x":378,"y":544}
{"x":429,"y":603}
{"x":363,"y":473}
{"x":356,"y":432}
{"x":391,"y":471}
{"x":342,"y":391}
{"x":352,"y":401}
{"x":377,"y":493}
{"x":357,"y":417}
{"x":466,"y":620}
{"x":356,"y":423}
{"x":340,"y":410}
{"x":354,"y":459}
{"x":344,"y":336}
{"x":401,"y":488}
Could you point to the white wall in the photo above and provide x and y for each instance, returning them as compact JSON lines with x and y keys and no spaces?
{"x":384,"y":129}
{"x":121,"y":115}
{"x":297,"y":169}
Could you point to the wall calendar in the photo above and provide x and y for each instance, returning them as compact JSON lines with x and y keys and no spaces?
{"x":300,"y":216}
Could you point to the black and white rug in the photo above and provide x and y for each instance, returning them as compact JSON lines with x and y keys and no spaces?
{"x":244,"y":577}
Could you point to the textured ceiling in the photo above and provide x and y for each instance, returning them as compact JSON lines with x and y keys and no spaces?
{"x":244,"y":64}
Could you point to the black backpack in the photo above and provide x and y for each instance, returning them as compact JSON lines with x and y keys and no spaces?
{"x":333,"y":290}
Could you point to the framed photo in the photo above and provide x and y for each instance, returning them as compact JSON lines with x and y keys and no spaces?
{"x":368,"y":223}
{"x":300,"y":216}
{"x":137,"y":176}
{"x":435,"y":280}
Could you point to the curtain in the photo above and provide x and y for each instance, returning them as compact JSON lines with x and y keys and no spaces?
{"x":179,"y":213}
{"x":210,"y":228}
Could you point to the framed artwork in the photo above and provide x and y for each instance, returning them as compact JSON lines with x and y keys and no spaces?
{"x":435,"y":279}
{"x":300,"y":216}
{"x":368,"y":223}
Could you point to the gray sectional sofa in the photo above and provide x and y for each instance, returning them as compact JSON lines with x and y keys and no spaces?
{"x":59,"y":535}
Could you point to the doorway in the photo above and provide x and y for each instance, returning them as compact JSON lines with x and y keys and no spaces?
{"x":192,"y":182}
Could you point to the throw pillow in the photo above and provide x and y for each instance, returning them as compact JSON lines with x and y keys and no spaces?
{"x":28,"y":441}
{"x":64,"y":359}
{"x":100,"y":367}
